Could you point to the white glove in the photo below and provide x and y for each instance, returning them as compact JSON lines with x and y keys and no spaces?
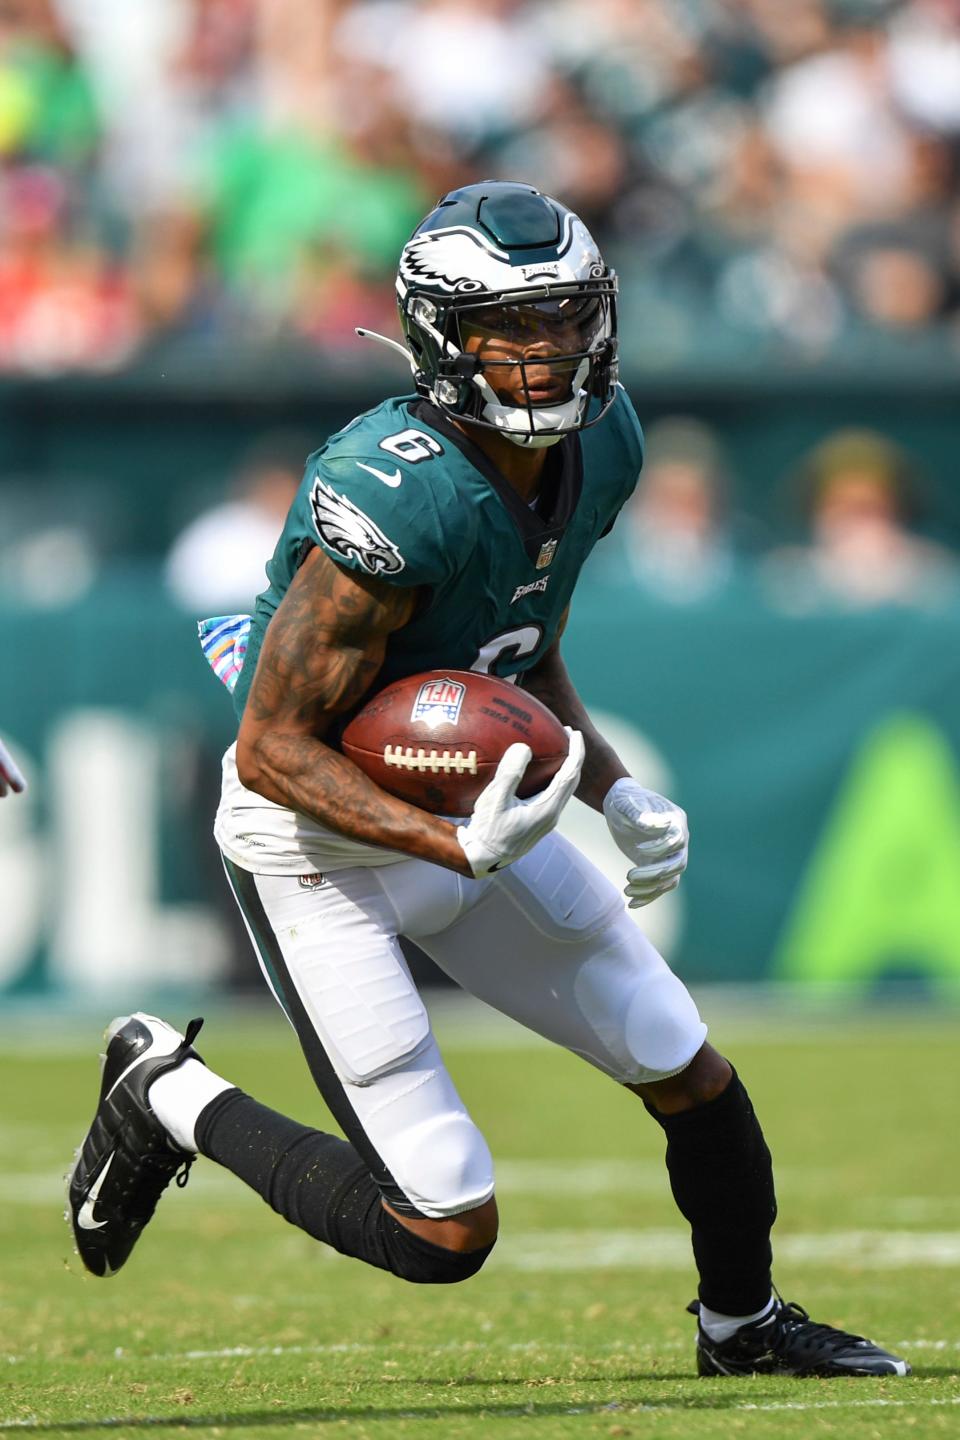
{"x":10,"y":777}
{"x":652,"y":832}
{"x":502,"y":828}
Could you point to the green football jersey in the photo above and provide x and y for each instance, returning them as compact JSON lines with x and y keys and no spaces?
{"x":403,"y":494}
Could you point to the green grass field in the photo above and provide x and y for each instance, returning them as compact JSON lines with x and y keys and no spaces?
{"x":227,"y":1321}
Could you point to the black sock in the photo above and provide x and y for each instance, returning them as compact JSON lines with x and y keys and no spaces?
{"x":722,"y":1180}
{"x":320,"y":1184}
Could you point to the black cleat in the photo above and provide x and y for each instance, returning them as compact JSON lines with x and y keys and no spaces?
{"x":127,"y":1159}
{"x":788,"y":1342}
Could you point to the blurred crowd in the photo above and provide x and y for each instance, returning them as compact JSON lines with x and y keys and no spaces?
{"x":856,"y":537}
{"x":782,"y":177}
{"x":859,"y":538}
{"x":779,"y":175}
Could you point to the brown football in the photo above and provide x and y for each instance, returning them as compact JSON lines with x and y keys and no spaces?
{"x":435,"y":739}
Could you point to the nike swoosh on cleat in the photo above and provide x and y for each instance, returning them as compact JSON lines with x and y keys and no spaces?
{"x":86,"y":1219}
{"x":392,"y":480}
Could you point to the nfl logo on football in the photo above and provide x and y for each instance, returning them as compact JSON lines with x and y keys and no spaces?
{"x":439,"y":701}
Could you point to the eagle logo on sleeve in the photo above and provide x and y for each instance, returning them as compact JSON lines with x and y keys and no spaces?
{"x":347,"y":531}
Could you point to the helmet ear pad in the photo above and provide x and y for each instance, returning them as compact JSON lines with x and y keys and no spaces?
{"x":605,"y":375}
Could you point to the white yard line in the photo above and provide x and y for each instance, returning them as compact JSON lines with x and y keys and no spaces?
{"x":877,"y":1403}
{"x":547,"y":1251}
{"x":331,"y":1415}
{"x":465,"y":1347}
{"x":553,"y":1178}
{"x":386,"y":1347}
{"x":360,"y":1347}
{"x":929,"y":1344}
{"x":548,"y":1178}
{"x":569,"y":1250}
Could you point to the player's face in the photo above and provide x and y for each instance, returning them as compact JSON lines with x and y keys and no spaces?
{"x":530,"y":353}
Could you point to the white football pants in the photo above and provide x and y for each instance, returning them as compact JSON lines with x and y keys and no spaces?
{"x":547,"y":941}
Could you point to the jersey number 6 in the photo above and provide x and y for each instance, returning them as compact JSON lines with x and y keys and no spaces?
{"x":411,"y":445}
{"x":522,"y":641}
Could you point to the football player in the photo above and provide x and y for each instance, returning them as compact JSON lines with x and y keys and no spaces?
{"x":10,"y":777}
{"x":447,"y":528}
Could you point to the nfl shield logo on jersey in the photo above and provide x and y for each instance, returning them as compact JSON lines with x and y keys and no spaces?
{"x":547,"y":551}
{"x":439,"y":701}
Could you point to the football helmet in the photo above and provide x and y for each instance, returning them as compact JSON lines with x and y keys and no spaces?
{"x":509,"y":313}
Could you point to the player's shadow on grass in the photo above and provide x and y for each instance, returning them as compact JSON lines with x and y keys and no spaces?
{"x":329,"y":1415}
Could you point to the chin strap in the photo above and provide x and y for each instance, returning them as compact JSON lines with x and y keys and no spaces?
{"x":550,"y":423}
{"x":541,"y":441}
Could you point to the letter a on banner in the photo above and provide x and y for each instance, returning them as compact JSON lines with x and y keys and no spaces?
{"x":882,"y":892}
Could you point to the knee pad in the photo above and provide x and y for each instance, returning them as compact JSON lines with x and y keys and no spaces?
{"x":662,"y":1029}
{"x":642,"y":1015}
{"x":422,"y":1263}
{"x":443,"y":1165}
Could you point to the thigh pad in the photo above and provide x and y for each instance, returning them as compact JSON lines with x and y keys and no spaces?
{"x":354,"y":984}
{"x":560,"y":892}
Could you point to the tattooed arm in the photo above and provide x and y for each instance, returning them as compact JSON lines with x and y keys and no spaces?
{"x":551,"y":684}
{"x":321,"y":652}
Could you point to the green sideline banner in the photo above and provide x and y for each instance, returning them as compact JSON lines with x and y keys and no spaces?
{"x":818,"y":759}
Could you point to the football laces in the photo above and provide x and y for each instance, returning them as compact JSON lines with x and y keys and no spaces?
{"x":436,"y":761}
